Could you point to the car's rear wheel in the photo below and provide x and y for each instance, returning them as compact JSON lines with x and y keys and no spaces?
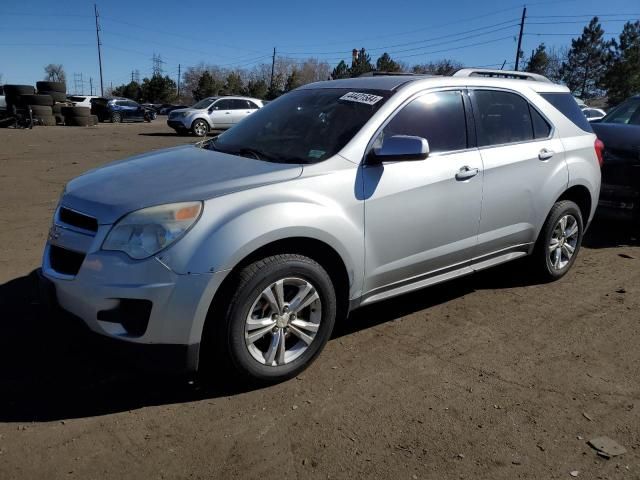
{"x":116,"y":117}
{"x":559,"y":241}
{"x":200,"y":128}
{"x":279,"y":318}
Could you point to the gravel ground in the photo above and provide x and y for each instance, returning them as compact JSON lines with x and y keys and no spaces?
{"x":491,"y":376}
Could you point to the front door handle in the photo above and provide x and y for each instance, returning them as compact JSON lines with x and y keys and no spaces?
{"x":227,"y":113}
{"x":545,"y":154}
{"x":466,"y":173}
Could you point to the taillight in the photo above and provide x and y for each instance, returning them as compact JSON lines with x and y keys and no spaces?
{"x":599,"y":147}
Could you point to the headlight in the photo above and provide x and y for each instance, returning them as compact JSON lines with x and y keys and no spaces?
{"x":145,"y":232}
{"x":179,"y":114}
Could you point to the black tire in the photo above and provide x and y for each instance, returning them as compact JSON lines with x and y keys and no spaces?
{"x":77,"y":121}
{"x":40,"y":110}
{"x":47,"y":121}
{"x":94,"y":120}
{"x":75,"y":111}
{"x":541,"y":259}
{"x":228,"y":333}
{"x":116,"y":117}
{"x":44,"y":86}
{"x":17,"y":90}
{"x":59,"y":119}
{"x":45,"y":100}
{"x":57,"y":96}
{"x":57,"y":107}
{"x":200,"y":127}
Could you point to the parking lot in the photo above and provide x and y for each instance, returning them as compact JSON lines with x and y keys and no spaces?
{"x":491,"y":376}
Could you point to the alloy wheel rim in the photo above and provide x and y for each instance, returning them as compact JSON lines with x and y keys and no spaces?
{"x":283,"y":321}
{"x":200,"y":129}
{"x":564,"y":241}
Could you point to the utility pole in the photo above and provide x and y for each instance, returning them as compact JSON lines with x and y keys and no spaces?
{"x":131,"y":76}
{"x":524,"y":14}
{"x":91,"y":86}
{"x":273,"y":66}
{"x":95,"y":9}
{"x":178,"y":82}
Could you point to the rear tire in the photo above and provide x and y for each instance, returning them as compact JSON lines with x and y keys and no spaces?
{"x":559,"y":241}
{"x":116,"y":117}
{"x":305,"y":312}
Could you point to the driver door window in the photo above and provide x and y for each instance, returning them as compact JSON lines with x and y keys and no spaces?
{"x":439,"y":117}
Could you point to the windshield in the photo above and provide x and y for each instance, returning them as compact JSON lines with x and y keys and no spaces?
{"x":628,"y":112}
{"x":204,"y":103}
{"x":303,"y":126}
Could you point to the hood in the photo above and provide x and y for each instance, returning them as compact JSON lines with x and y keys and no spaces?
{"x":177,"y":174}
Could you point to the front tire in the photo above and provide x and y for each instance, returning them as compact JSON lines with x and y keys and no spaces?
{"x":200,"y":128}
{"x":278,"y":320}
{"x":559,"y":241}
{"x":116,"y":117}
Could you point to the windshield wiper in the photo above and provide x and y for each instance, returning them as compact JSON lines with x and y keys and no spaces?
{"x":257,"y":154}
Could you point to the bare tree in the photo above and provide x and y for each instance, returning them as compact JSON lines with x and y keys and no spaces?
{"x":55,"y":73}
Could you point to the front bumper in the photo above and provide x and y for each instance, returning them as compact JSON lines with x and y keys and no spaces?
{"x":178,"y":124}
{"x":140,"y":302}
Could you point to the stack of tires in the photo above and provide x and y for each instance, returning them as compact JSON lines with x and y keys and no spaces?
{"x":58,"y":93}
{"x":41,"y":108}
{"x":78,"y":117}
{"x":12,"y":94}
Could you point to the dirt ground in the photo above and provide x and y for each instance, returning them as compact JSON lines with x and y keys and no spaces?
{"x":488,"y":377}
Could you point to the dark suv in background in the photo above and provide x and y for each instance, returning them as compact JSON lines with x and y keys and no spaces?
{"x":620,"y":132}
{"x":118,"y":110}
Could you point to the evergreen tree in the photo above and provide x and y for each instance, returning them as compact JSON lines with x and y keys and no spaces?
{"x":233,"y":84}
{"x":361,"y":65}
{"x":158,"y":89}
{"x":131,"y":90}
{"x":587,"y":61}
{"x":207,"y":87}
{"x":341,"y":71}
{"x":257,"y":88}
{"x":386,"y":64}
{"x":622,"y":80}
{"x":293,"y":81}
{"x":538,"y":61}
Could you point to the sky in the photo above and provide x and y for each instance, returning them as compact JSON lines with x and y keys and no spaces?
{"x":35,"y":33}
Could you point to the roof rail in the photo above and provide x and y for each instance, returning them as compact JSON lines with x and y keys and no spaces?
{"x":511,"y":74}
{"x":376,"y":73}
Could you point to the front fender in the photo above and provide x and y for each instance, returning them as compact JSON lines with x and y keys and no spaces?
{"x":234,"y":226}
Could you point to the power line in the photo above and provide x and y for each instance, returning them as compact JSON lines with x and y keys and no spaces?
{"x":511,"y":23}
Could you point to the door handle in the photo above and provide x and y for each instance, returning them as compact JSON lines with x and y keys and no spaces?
{"x":466,"y":173}
{"x":545,"y":154}
{"x":227,"y":113}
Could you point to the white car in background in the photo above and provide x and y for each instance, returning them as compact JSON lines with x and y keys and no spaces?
{"x":81,"y":100}
{"x":212,"y":113}
{"x":593,"y":114}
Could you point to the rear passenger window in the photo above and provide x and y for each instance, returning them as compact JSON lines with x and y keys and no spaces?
{"x":568,"y":106}
{"x":439,"y":117}
{"x":501,"y":118}
{"x":541,"y":129}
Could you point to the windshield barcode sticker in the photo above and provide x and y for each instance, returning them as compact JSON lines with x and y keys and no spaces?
{"x":365,"y":98}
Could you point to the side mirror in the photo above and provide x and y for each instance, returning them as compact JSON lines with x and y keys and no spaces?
{"x":400,"y":148}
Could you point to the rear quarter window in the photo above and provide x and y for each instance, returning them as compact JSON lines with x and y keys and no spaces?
{"x":567,"y":105}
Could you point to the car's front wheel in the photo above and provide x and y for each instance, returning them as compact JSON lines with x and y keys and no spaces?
{"x":116,"y":117}
{"x":279,"y":318}
{"x":559,"y":241}
{"x":200,"y":128}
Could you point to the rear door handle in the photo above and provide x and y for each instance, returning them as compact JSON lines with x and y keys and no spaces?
{"x":545,"y":154}
{"x":466,"y":173}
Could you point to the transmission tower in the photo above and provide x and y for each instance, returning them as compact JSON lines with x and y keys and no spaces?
{"x":157,"y":63}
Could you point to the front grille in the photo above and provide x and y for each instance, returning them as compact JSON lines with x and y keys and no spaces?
{"x":65,"y":261}
{"x":77,"y":219}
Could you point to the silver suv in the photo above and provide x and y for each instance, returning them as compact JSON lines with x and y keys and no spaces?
{"x":242,"y":251}
{"x":211,"y":113}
